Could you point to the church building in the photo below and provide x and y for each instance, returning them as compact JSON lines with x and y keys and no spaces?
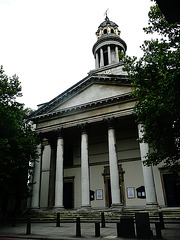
{"x":89,"y":154}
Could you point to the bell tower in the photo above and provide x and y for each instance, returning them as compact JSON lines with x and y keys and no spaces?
{"x":108,"y":48}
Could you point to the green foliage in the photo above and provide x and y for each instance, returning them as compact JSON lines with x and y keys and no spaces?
{"x":18,"y":142}
{"x":120,"y":54}
{"x":156,"y":81}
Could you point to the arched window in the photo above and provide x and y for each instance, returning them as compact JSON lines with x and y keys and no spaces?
{"x":105,"y":31}
{"x":112,"y":30}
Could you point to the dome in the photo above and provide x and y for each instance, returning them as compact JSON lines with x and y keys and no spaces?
{"x":107,"y":22}
{"x":107,"y":27}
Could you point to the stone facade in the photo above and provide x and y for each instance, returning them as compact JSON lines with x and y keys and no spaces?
{"x":89,"y":154}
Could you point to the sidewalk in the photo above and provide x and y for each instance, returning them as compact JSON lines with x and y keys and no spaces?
{"x":68,"y":231}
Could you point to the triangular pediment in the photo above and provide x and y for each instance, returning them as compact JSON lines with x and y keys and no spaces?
{"x":93,"y":93}
{"x":92,"y":89}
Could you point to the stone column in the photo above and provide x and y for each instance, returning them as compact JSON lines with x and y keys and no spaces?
{"x":52,"y":173}
{"x":97,"y":60}
{"x":151,"y":199}
{"x":109,"y":55}
{"x":36,"y":181}
{"x":101,"y":58}
{"x":117,"y":54}
{"x":59,"y":172}
{"x":85,"y":183}
{"x":113,"y":163}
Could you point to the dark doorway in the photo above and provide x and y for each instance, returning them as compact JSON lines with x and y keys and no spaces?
{"x":172,"y":191}
{"x":68,"y":195}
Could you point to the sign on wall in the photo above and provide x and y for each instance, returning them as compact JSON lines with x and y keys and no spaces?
{"x":99,"y":194}
{"x":130,"y":192}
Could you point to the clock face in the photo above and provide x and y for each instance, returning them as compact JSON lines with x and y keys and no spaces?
{"x":107,"y":72}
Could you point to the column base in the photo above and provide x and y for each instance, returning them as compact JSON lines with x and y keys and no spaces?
{"x":85,"y":208}
{"x":33,"y":210}
{"x":117,"y":206}
{"x":152,"y":206}
{"x":57,"y":209}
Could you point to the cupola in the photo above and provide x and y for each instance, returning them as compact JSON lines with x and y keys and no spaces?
{"x":109,"y":46}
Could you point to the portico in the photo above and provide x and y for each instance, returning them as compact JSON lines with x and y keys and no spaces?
{"x":89,"y":140}
{"x":87,"y":159}
{"x":82,"y":136}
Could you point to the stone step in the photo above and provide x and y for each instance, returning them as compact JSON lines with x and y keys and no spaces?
{"x":95,"y":215}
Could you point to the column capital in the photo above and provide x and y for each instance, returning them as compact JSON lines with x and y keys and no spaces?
{"x":110,"y":122}
{"x":59,"y":132}
{"x":50,"y":137}
{"x":141,"y":131}
{"x":83,"y":127}
{"x":42,"y":135}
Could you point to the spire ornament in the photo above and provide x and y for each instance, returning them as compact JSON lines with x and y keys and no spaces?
{"x":106,"y":14}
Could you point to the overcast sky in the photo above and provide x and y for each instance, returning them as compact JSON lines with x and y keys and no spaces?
{"x":48,"y":43}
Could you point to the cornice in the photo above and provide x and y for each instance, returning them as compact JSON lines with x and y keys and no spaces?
{"x":75,"y":123}
{"x":109,"y":67}
{"x":86,"y":106}
{"x":108,"y":38}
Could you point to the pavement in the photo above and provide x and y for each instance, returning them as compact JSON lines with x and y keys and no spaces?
{"x":68,"y":231}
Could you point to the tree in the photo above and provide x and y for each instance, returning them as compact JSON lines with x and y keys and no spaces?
{"x":156,"y":81}
{"x":18,"y":143}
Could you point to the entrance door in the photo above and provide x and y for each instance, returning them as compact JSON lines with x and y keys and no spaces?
{"x":108,"y":197}
{"x":68,"y":200}
{"x":171,"y":190}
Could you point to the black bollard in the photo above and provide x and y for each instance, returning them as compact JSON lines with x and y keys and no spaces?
{"x":97,"y":229}
{"x":143,"y":225}
{"x":58,"y":220}
{"x":127,"y":229}
{"x":78,"y":227}
{"x":118,"y":229}
{"x":161,"y":220}
{"x":28,"y":227}
{"x":103,"y":220}
{"x":14,"y":221}
{"x":158,"y":230}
